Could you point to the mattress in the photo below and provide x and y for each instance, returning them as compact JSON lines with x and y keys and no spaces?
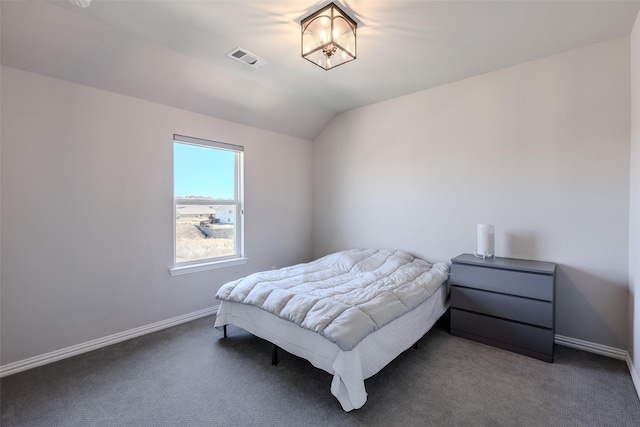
{"x":349,"y":368}
{"x":343,"y":296}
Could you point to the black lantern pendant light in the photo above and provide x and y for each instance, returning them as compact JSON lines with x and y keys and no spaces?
{"x":329,"y":37}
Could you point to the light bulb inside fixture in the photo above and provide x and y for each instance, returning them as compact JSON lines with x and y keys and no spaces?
{"x":326,"y":33}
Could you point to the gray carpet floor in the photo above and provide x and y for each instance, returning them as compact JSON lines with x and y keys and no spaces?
{"x":189,"y":376}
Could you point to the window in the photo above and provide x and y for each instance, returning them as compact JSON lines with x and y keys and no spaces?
{"x":207,"y":201}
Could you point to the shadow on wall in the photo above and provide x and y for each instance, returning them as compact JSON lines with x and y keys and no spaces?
{"x":591,"y":307}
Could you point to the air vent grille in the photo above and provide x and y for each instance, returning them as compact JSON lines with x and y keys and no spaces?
{"x":247,"y":58}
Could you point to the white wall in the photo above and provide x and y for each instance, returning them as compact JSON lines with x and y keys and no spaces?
{"x":540,"y":150}
{"x":87,"y":212}
{"x":634,"y":210}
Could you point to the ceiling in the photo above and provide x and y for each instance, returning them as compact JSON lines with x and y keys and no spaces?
{"x":174,"y":52}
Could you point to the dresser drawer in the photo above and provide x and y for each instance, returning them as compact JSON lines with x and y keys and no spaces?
{"x":535,"y":312}
{"x":525,"y":284}
{"x":512,"y":334}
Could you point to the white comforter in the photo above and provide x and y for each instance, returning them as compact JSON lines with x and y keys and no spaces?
{"x":344,"y":296}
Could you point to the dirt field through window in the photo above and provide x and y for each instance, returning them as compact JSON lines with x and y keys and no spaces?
{"x":196,"y":241}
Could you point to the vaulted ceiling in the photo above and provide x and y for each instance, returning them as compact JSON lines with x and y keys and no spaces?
{"x":174,"y":52}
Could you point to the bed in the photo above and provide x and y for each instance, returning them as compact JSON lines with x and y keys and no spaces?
{"x":349,"y":313}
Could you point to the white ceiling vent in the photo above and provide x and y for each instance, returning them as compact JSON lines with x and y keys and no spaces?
{"x":246,"y":57}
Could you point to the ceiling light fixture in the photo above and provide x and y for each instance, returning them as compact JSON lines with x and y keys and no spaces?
{"x":329,"y":37}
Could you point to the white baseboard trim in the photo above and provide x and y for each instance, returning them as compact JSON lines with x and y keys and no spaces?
{"x":634,"y":374}
{"x":604,"y":350}
{"x":32,"y":362}
{"x":591,"y":347}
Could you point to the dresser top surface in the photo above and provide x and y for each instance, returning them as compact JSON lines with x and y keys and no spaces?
{"x":540,"y":267}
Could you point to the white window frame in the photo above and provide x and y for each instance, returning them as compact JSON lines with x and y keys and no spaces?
{"x":238,"y":258}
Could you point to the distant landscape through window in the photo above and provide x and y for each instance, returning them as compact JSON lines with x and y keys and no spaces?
{"x":207,"y":200}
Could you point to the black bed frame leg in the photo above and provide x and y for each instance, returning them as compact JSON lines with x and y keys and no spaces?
{"x":224,"y":328}
{"x":274,"y":355}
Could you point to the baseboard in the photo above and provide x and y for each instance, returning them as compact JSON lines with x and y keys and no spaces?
{"x":634,"y":374}
{"x":604,"y":350}
{"x":591,"y":347}
{"x":32,"y":362}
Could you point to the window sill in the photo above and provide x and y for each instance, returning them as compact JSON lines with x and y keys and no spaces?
{"x":195,"y":268}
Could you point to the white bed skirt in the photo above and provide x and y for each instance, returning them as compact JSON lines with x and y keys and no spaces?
{"x":349,"y":368}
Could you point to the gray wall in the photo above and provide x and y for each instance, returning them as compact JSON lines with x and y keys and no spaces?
{"x":541,"y":150}
{"x":87,"y":212}
{"x":634,"y":211}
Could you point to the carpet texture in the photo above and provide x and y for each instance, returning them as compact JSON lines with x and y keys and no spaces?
{"x":189,"y":376}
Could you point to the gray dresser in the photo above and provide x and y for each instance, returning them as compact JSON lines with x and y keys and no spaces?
{"x":504,"y":302}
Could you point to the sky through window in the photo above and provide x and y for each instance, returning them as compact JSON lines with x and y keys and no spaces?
{"x":203,"y":171}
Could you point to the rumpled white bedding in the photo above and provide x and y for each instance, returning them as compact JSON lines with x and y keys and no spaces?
{"x":349,"y":368}
{"x":344,"y":296}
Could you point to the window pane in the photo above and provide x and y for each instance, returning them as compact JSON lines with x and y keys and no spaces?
{"x":207,"y":206}
{"x":203,"y":172}
{"x":204,"y":231}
